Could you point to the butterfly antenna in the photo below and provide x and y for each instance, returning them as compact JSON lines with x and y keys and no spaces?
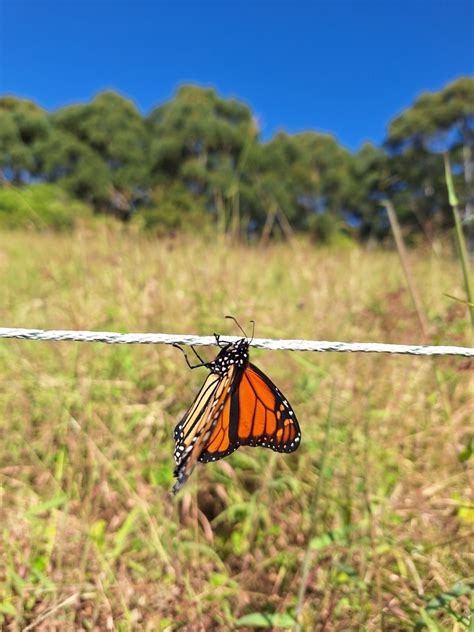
{"x":238,"y":324}
{"x":253,"y":330}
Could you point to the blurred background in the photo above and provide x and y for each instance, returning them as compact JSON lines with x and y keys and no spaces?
{"x":252,"y":119}
{"x":308,"y":165}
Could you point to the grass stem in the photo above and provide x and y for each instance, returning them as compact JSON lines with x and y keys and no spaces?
{"x":313,"y":508}
{"x":403,"y":255}
{"x":454,"y":203}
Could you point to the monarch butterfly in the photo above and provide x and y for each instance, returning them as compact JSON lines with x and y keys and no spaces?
{"x":237,"y":405}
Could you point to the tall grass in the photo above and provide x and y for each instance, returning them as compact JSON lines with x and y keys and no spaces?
{"x":90,"y":536}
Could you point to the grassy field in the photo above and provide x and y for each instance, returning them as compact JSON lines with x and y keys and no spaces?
{"x":368,"y":526}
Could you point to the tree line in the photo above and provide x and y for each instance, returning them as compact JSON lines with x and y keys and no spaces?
{"x":198,"y":160}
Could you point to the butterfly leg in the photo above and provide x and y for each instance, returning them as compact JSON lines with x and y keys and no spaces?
{"x":191,"y":366}
{"x":197,"y":355}
{"x":222,"y":345}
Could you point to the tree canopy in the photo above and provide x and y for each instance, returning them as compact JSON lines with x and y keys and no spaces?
{"x":199,"y":159}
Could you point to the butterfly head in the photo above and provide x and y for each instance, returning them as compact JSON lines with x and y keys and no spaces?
{"x":236,"y":354}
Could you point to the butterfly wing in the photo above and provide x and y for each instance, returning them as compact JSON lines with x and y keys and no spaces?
{"x":187,"y":428}
{"x":265,"y":416}
{"x":193,"y":432}
{"x":255,"y":414}
{"x":223,"y":440}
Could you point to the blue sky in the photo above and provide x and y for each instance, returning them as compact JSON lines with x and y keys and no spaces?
{"x":345,"y":67}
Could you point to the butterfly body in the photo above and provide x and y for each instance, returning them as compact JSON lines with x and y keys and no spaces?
{"x":231,"y":354}
{"x":237,"y":405}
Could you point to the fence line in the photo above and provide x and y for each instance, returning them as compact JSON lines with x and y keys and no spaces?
{"x":113,"y":338}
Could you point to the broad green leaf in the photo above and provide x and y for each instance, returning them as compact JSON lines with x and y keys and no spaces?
{"x":259,"y":619}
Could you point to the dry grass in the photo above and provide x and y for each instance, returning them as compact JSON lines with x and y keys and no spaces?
{"x":90,"y":537}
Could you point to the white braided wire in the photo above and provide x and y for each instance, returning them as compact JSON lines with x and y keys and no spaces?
{"x":113,"y":338}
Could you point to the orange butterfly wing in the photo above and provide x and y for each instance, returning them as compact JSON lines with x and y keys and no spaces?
{"x":256,"y":414}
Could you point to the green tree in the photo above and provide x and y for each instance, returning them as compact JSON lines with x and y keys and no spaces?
{"x":113,"y":130}
{"x":370,"y":183}
{"x":62,"y":158}
{"x":200,"y":140}
{"x":22,"y":125}
{"x":300,"y":176}
{"x":198,"y":157}
{"x":173,"y":208}
{"x":437,"y":122}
